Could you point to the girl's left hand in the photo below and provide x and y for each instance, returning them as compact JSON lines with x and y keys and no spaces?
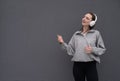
{"x":88,"y":49}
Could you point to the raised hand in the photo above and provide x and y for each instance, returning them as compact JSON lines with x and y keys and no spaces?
{"x":60,"y":39}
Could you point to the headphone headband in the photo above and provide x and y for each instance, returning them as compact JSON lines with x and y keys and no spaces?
{"x":95,"y":17}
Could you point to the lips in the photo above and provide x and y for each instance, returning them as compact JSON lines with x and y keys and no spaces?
{"x":83,"y":21}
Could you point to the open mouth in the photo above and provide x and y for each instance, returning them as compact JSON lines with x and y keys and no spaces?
{"x":83,"y":21}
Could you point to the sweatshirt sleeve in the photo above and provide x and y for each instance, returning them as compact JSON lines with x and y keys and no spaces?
{"x":99,"y":49}
{"x":70,"y":47}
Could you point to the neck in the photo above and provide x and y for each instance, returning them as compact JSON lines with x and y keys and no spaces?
{"x":85,"y":29}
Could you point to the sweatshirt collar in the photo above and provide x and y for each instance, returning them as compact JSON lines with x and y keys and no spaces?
{"x":80,"y":32}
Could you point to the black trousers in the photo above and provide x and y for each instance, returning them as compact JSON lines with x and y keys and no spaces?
{"x":82,"y":70}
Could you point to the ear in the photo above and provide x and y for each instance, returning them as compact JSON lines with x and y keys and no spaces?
{"x":92,"y":23}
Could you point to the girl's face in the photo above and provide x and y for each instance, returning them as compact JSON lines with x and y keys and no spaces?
{"x":86,"y":19}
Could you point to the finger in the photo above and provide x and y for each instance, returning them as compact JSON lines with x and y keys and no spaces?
{"x":89,"y":46}
{"x":58,"y":35}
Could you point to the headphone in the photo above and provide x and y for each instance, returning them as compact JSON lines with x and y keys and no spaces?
{"x":92,"y":23}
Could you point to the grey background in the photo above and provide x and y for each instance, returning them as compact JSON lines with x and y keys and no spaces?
{"x":29,"y":50}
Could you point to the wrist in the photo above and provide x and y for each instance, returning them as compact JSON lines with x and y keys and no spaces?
{"x":61,"y":42}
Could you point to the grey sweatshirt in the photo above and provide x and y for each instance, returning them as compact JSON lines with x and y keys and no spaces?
{"x":78,"y":42}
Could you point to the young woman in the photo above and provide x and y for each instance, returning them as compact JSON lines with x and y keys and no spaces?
{"x":85,"y":46}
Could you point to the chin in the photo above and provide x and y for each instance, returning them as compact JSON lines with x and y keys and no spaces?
{"x":83,"y":24}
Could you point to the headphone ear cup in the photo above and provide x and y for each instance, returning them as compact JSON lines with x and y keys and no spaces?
{"x":92,"y":23}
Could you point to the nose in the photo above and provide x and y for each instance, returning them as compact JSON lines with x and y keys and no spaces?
{"x":83,"y":19}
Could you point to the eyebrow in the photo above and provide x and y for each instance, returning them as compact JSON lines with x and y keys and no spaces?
{"x":87,"y":17}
